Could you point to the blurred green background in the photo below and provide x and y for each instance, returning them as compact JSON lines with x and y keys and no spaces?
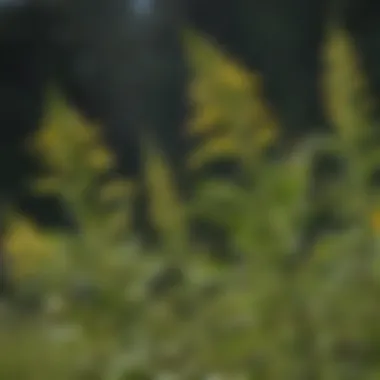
{"x":103,"y":318}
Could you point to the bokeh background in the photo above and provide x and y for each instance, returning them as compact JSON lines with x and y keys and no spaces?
{"x":95,"y":307}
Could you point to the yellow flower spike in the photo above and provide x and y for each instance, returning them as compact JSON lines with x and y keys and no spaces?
{"x":223,"y":146}
{"x":27,"y":245}
{"x":206,"y":119}
{"x":234,"y":78}
{"x":100,"y":159}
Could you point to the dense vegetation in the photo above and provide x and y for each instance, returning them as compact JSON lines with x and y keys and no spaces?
{"x":104,"y":317}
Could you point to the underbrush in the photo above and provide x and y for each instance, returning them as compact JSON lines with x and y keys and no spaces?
{"x":93,"y":306}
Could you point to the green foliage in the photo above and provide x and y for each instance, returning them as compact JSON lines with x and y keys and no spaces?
{"x":112,"y":312}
